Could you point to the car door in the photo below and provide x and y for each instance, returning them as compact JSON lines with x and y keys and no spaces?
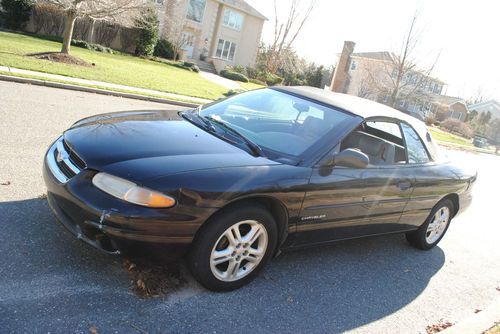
{"x":345,"y":202}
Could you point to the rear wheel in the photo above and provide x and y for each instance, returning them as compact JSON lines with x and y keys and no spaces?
{"x":434,"y":228}
{"x":231,"y":249}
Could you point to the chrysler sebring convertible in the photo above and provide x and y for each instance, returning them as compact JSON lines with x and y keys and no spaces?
{"x":231,"y":184}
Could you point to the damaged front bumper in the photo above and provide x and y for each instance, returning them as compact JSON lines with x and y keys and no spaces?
{"x":110,"y":224}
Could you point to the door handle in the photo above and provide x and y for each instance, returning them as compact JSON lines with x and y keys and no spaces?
{"x":404,"y":185}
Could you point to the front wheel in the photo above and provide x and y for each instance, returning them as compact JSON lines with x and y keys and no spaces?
{"x":434,"y":228}
{"x":233,"y":247}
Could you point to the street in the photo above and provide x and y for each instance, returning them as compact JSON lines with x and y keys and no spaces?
{"x":51,"y":282}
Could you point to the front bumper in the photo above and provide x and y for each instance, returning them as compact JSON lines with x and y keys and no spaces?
{"x":112,"y":225}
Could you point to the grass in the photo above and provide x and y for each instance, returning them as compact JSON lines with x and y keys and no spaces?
{"x":119,"y":68}
{"x":22,"y":75}
{"x":449,"y":138}
{"x":250,"y":86}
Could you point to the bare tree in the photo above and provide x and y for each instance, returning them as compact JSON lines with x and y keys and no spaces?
{"x":175,"y":19}
{"x":399,"y":75}
{"x":480,"y":95}
{"x":109,"y":10}
{"x":286,"y":32}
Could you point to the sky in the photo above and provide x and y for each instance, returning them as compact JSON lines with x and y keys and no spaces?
{"x":465,"y":35}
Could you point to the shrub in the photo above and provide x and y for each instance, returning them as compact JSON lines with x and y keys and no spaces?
{"x":429,"y":120}
{"x":164,"y":49}
{"x":269,"y":78}
{"x":148,"y":36}
{"x":233,"y":75}
{"x":91,"y":46}
{"x":15,"y":13}
{"x":257,"y":82}
{"x":457,"y":126}
{"x":232,"y":92}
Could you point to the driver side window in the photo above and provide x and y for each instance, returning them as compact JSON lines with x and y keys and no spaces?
{"x":380,"y":141}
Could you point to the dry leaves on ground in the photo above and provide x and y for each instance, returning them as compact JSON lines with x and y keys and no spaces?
{"x":153,"y":279}
{"x":440,"y":326}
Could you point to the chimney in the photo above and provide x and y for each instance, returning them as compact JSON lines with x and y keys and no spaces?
{"x":340,"y":78}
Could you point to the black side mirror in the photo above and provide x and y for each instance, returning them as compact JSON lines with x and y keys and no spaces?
{"x":351,"y":158}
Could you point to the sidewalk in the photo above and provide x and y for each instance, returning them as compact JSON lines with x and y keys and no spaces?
{"x":103,"y":85}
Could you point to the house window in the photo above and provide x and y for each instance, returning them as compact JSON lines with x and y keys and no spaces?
{"x":196,"y":8}
{"x":354,"y":65}
{"x":225,"y":50}
{"x":233,"y":19}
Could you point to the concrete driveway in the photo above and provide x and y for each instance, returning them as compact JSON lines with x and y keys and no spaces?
{"x":50,"y":282}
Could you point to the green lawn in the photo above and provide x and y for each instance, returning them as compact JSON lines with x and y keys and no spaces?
{"x":449,"y":137}
{"x":113,"y":68}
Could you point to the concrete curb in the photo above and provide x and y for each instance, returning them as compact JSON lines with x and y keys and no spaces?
{"x":38,"y":82}
{"x":479,"y":322}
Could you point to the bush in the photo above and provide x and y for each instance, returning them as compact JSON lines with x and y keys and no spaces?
{"x":430,"y":120}
{"x":232,"y":92}
{"x":257,"y":82}
{"x":15,"y":13}
{"x":148,"y":36}
{"x":91,"y":46}
{"x":164,"y":49}
{"x":233,"y":75}
{"x":454,"y":125}
{"x":269,"y":78}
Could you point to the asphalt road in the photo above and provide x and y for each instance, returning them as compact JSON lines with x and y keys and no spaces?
{"x":50,"y":282}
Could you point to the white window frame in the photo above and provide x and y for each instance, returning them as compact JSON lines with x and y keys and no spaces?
{"x":232,"y":14}
{"x":226,"y":45}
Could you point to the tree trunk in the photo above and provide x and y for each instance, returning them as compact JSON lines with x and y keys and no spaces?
{"x":68,"y":30}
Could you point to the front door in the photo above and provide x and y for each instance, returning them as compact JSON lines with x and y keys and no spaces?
{"x":188,"y":45}
{"x":346,"y":202}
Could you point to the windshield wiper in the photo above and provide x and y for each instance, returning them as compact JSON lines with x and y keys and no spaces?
{"x":193,"y":116}
{"x":256,"y":149}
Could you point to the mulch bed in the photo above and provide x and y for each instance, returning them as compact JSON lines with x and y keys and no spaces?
{"x":61,"y":58}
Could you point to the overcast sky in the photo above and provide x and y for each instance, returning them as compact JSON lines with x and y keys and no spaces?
{"x":466,"y":35}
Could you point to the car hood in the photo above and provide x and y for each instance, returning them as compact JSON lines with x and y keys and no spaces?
{"x":142,"y":146}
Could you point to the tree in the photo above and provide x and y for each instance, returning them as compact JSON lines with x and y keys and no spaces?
{"x":174,"y":26}
{"x":15,"y":13}
{"x":285,"y":33}
{"x":400,"y":76}
{"x":147,"y":22}
{"x":108,"y":10}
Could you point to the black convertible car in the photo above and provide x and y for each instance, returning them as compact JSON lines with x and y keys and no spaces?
{"x":233,"y":183}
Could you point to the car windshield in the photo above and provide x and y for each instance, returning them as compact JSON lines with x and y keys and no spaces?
{"x":277,"y":121}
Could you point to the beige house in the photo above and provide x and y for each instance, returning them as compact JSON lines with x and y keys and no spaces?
{"x":215,"y":32}
{"x":370,"y":75}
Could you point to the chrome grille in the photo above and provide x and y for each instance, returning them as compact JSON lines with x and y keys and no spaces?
{"x":63,"y":163}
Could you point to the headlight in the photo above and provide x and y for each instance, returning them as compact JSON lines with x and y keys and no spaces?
{"x":130,"y":192}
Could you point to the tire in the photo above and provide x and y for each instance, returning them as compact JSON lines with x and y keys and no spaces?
{"x":425,"y":238}
{"x":222,"y":261}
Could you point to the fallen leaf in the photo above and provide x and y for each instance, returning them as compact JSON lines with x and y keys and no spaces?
{"x":6,"y":183}
{"x":407,"y":270}
{"x":289,"y":300}
{"x":477,"y":310}
{"x":440,"y":326}
{"x":93,"y":329}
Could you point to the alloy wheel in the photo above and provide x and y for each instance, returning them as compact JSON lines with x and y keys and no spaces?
{"x":239,"y":250}
{"x":438,"y":225}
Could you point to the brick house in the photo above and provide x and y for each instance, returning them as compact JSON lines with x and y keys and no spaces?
{"x":221,"y":32}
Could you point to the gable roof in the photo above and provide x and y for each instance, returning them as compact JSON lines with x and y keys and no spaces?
{"x":378,"y":55}
{"x":491,"y":105}
{"x":447,"y":100}
{"x":245,"y":7}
